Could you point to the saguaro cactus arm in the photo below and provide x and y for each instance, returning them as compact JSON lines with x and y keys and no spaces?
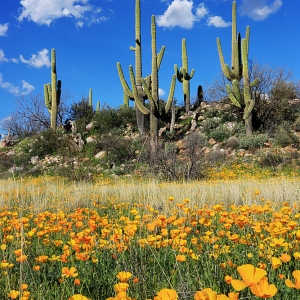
{"x":124,"y":83}
{"x":137,"y":100}
{"x":225,"y":67}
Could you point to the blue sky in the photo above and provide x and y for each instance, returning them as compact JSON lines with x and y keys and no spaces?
{"x":91,"y":36}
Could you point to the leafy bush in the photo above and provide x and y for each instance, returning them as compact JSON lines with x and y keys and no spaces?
{"x":252,"y":141}
{"x":109,"y":119}
{"x":82,"y":113}
{"x":283,"y":136}
{"x":220,"y":134}
{"x":208,"y":125}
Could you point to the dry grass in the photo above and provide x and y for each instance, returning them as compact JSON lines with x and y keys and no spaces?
{"x":45,"y":192}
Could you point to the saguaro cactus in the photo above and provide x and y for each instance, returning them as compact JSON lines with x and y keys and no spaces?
{"x":151,"y":89}
{"x":52,"y":92}
{"x":184,"y":77}
{"x":98,"y":106}
{"x":199,"y":95}
{"x":91,"y":97}
{"x":239,"y":70}
{"x":138,"y":69}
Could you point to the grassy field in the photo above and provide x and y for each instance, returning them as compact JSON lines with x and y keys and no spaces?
{"x":134,"y":238}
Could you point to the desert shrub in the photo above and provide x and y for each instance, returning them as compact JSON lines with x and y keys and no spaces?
{"x":220,"y":134}
{"x":110,"y":119}
{"x":239,"y":129}
{"x":211,"y":113}
{"x":232,"y":143}
{"x":283,"y":136}
{"x":208,"y":125}
{"x":270,"y":159}
{"x":118,"y":148}
{"x":82,"y":113}
{"x":48,"y":142}
{"x":252,"y":141}
{"x":296,"y":124}
{"x":169,"y":164}
{"x":215,"y":157}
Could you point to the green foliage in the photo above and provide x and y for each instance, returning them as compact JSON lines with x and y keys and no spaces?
{"x":283,"y":136}
{"x":252,"y":141}
{"x":82,"y":113}
{"x":220,"y":134}
{"x":115,"y":120}
{"x":209,"y":124}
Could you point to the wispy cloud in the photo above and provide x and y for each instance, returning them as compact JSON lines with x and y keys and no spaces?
{"x":44,"y":12}
{"x":37,"y":60}
{"x":25,"y":89}
{"x":259,"y":9}
{"x":2,"y":57}
{"x":3,"y":29}
{"x":218,"y":22}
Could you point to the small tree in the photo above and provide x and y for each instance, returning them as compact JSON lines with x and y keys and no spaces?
{"x":31,"y":116}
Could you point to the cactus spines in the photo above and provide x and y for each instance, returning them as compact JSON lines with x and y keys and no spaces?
{"x":52,"y":92}
{"x":184,"y":77}
{"x":239,"y":70}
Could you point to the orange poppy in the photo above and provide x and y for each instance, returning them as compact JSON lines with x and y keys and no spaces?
{"x":166,"y":294}
{"x":66,"y":272}
{"x":296,"y":285}
{"x":250,"y":276}
{"x":124,"y":276}
{"x":263,"y":289}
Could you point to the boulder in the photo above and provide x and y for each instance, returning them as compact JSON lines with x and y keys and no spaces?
{"x":91,"y":139}
{"x":34,"y":160}
{"x":100,"y":154}
{"x":90,"y":126}
{"x":2,"y":144}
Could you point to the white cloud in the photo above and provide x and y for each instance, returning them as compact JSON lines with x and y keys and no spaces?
{"x":24,"y":90}
{"x":3,"y":29}
{"x":44,"y":12}
{"x":218,"y":22}
{"x":259,"y":9}
{"x":37,"y":60}
{"x":2,"y":57}
{"x":179,"y":13}
{"x":161,"y":92}
{"x":201,"y":11}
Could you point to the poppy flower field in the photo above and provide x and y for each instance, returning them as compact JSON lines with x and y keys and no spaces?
{"x":143,"y":239}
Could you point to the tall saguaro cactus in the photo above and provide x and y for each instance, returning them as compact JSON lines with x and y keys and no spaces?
{"x":138,"y":69}
{"x":184,"y":77}
{"x":239,"y":70}
{"x":150,"y":86}
{"x":52,"y":92}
